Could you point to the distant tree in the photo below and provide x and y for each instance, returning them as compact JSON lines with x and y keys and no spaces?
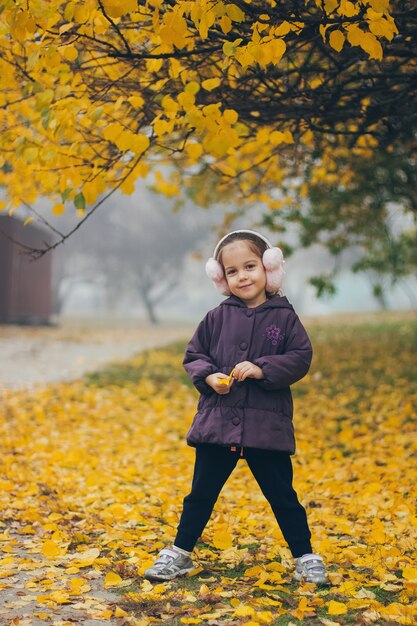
{"x":136,"y":250}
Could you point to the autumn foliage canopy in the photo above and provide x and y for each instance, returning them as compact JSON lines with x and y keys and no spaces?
{"x":97,"y":93}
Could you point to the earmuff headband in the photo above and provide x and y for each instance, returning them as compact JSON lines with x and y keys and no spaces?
{"x":235,"y":232}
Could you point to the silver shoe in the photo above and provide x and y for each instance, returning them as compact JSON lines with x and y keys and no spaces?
{"x":170,"y":564}
{"x":310,"y":568}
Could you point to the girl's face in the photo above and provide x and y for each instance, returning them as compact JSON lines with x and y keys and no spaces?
{"x":245,"y":273}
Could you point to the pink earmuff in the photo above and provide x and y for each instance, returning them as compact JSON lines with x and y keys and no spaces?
{"x":272,"y":259}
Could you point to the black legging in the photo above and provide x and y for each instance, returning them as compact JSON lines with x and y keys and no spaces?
{"x":273,"y":472}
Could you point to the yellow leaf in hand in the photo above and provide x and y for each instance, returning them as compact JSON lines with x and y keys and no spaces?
{"x":226,"y":381}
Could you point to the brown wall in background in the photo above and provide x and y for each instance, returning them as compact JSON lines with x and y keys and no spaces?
{"x":25,"y":285}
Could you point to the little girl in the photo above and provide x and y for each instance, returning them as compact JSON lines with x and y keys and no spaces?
{"x":243,"y":358}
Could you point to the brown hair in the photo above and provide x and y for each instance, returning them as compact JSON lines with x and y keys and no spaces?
{"x":257,"y":245}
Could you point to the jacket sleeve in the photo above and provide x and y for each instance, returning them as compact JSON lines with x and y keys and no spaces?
{"x":282,"y":370}
{"x":197,"y":362}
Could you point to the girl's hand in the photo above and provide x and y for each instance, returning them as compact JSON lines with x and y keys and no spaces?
{"x":222,"y":389}
{"x":246,"y":369}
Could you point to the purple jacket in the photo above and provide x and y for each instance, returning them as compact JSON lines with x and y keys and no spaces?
{"x":256,"y":413}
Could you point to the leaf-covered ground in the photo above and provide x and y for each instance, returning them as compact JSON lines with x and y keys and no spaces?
{"x":92,"y":476}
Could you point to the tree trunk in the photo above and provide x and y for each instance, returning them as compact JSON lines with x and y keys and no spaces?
{"x":379,"y":295}
{"x":149,"y":307}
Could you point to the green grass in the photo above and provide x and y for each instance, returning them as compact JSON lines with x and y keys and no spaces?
{"x":143,"y":366}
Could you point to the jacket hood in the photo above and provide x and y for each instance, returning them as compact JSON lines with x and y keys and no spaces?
{"x":276,"y":302}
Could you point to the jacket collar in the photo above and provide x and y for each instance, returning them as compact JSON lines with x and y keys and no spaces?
{"x":275,"y":302}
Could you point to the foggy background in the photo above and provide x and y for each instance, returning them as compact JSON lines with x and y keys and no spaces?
{"x":137,"y":257}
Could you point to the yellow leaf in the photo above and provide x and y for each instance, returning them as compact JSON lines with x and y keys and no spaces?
{"x":60,"y":597}
{"x":226,"y":24}
{"x":51,"y":549}
{"x":192,"y":87}
{"x":274,"y":51}
{"x":124,"y":140}
{"x":112,"y":579}
{"x":222,"y":539}
{"x":175,"y":68}
{"x":336,"y":40}
{"x":116,"y":9}
{"x":371,"y":45}
{"x":90,"y":192}
{"x":276,"y":137}
{"x":194,"y":150}
{"x":410,"y":573}
{"x":210,"y":84}
{"x":254,"y":571}
{"x":78,"y":586}
{"x":380,"y":6}
{"x":283,"y":29}
{"x":27,"y":221}
{"x":330,"y":5}
{"x":140,"y":143}
{"x":230,"y":47}
{"x":81,"y":14}
{"x":354,"y":35}
{"x":336,"y":608}
{"x":244,"y":611}
{"x":195,"y":572}
{"x":186,"y":100}
{"x":230,"y":116}
{"x":31,"y":154}
{"x":65,"y":27}
{"x":137,"y":102}
{"x":316,"y":82}
{"x":120,"y":612}
{"x":347,"y":8}
{"x":235,"y":14}
{"x":378,"y":533}
{"x":69,"y":52}
{"x":169,"y":104}
{"x":113,"y":131}
{"x":162,"y":127}
{"x":207,"y":20}
{"x":174,"y":30}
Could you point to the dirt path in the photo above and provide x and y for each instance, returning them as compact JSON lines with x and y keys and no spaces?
{"x":34,"y":356}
